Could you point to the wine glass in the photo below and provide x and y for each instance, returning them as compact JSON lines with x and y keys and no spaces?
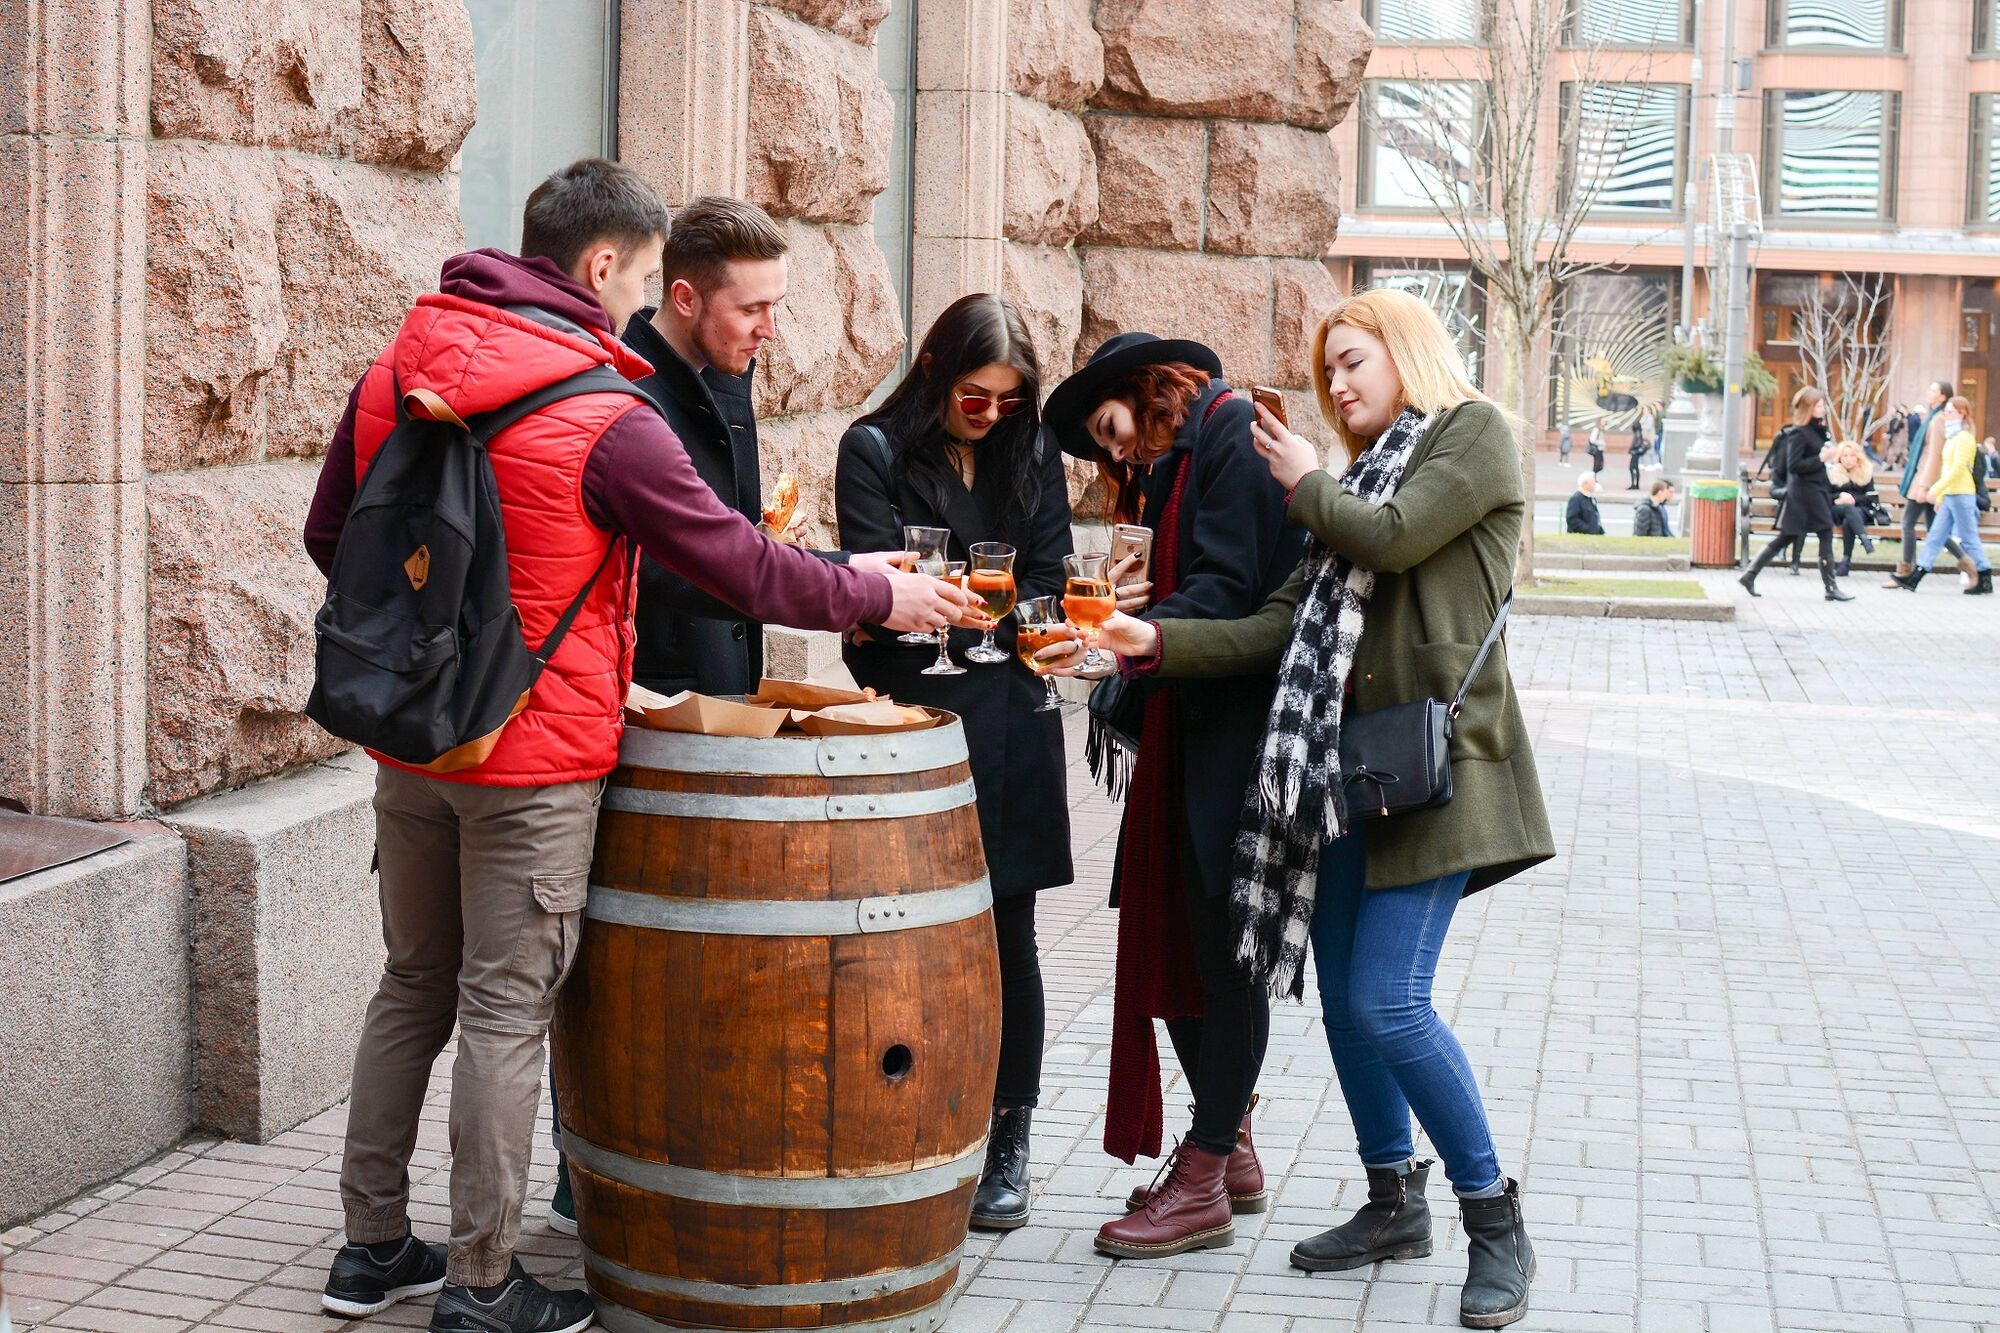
{"x":1088,"y":602}
{"x":992,"y":580}
{"x":952,"y":572}
{"x":1041,"y":625}
{"x":921,"y":542}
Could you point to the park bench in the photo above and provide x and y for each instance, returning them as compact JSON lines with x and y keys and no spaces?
{"x":1763,"y":510}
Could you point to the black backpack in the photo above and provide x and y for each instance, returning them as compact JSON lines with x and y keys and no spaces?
{"x":420,"y":655}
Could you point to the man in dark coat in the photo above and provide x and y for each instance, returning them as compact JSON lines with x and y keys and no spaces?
{"x":723,"y":279}
{"x":1582,"y":515}
{"x":1649,"y":516}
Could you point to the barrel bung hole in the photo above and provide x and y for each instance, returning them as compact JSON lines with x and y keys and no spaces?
{"x":897,"y":1062}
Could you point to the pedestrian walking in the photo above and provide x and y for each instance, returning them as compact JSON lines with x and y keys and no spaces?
{"x":1595,"y":447}
{"x":1852,"y":477}
{"x":1565,"y":441}
{"x":1173,"y":444}
{"x":1637,"y":451}
{"x":1952,"y":494}
{"x":1651,"y":517}
{"x":1582,"y":515}
{"x":1401,"y":598}
{"x":1802,"y":452}
{"x":958,"y":446}
{"x":1920,"y":473}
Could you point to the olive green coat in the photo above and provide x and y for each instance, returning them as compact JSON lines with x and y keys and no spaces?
{"x":1442,"y":549}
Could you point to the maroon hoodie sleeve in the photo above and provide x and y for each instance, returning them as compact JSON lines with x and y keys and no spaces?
{"x":335,"y":492}
{"x":640,"y":481}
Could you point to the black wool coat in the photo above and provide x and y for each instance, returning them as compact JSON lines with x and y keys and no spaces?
{"x":1582,"y":516}
{"x":1018,"y":764}
{"x":687,"y":639}
{"x":1236,"y":549}
{"x":1808,"y":493}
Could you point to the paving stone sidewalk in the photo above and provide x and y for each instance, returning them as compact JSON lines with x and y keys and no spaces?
{"x":1739,"y":1040}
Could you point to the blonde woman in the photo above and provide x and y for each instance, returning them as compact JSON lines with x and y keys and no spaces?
{"x":1957,"y":503}
{"x":1852,"y":477}
{"x":1411,"y":561}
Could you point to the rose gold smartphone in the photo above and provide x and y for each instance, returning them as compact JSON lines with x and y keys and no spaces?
{"x":1129,"y":539}
{"x":1271,"y":398}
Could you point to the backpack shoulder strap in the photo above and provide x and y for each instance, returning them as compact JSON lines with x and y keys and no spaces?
{"x":598,"y":379}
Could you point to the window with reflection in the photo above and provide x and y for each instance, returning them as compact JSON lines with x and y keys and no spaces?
{"x":1986,"y":26}
{"x":1631,"y":23}
{"x":1610,"y":331}
{"x":1622,"y":144}
{"x":1983,"y":196}
{"x":1867,"y":25}
{"x":1424,"y":20}
{"x":547,"y":75}
{"x":1830,"y":155}
{"x":1423,"y":143}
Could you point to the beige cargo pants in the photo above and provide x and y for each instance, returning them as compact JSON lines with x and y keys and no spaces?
{"x":482,"y":906}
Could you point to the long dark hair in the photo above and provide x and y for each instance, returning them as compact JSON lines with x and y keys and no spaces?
{"x":974,"y":331}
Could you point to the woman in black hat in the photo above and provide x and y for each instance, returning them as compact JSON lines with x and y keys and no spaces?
{"x":958,"y":445}
{"x":1173,"y":444}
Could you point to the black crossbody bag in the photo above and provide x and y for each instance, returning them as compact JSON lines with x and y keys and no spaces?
{"x":1397,"y":759}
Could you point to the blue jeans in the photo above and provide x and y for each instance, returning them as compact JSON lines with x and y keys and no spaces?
{"x":1957,"y":515}
{"x":1377,"y":952}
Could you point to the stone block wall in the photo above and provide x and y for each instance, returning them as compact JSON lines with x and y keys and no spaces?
{"x":819,"y":127}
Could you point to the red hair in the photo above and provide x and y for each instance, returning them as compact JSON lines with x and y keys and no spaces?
{"x":1159,"y":396}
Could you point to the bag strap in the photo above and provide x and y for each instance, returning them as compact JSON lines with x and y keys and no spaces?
{"x":886,"y":456}
{"x":1479,"y":659}
{"x":598,"y":379}
{"x":555,"y":638}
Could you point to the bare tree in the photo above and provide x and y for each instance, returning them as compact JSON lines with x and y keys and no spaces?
{"x":1844,"y":337}
{"x":1473,"y":139}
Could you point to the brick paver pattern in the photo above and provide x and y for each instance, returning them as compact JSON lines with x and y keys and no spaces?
{"x":1740,"y":1040}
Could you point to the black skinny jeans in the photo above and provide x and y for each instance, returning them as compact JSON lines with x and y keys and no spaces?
{"x":1022,"y":1014}
{"x":1222,"y":1051}
{"x":1852,"y":524}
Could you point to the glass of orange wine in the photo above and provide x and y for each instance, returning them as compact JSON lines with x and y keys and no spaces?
{"x":952,"y":572}
{"x":1041,"y":624}
{"x":992,"y":581}
{"x":1088,"y":602}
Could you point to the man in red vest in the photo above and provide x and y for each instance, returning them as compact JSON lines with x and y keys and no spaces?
{"x":484,"y":871}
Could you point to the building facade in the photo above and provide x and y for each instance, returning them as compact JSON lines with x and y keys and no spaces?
{"x":1874,"y":126}
{"x":219,"y":214}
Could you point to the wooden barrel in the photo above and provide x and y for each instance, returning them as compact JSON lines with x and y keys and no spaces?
{"x":776,"y":1051}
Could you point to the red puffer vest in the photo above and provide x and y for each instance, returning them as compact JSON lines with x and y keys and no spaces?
{"x":478,"y":357}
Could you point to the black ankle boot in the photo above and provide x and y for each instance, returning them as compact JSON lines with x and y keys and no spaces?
{"x":1395,"y":1223}
{"x":1908,"y":582}
{"x":1831,"y":584}
{"x":1001,"y":1201}
{"x":1983,"y":587}
{"x":1500,"y":1263}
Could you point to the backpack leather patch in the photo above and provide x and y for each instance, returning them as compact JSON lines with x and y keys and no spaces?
{"x":418,"y":567}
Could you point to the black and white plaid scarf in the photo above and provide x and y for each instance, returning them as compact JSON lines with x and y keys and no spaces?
{"x":1294,"y":804}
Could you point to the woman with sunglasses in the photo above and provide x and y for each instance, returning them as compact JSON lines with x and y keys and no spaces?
{"x":1173,"y":444}
{"x":1407,"y":577}
{"x":958,"y":446}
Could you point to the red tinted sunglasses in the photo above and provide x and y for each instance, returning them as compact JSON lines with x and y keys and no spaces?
{"x":975,"y":404}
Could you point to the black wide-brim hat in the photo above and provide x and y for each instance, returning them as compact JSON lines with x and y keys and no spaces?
{"x":1076,"y":397}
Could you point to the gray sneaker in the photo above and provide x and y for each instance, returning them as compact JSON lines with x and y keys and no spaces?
{"x":519,"y":1304}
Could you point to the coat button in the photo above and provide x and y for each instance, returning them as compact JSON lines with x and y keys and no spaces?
{"x":1369,"y":676}
{"x":736,"y":632}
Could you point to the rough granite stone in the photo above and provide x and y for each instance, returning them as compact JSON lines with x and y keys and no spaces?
{"x":856,"y":20}
{"x":1302,"y":294}
{"x":1051,"y":175}
{"x":1331,"y":53}
{"x":1053,"y":52}
{"x":1150,"y":172}
{"x":1272,"y":190}
{"x":1195,"y":58}
{"x":215,"y":315}
{"x":230,"y":605}
{"x":285,"y":943}
{"x":1222,"y":302}
{"x":387,"y":81}
{"x":840,"y":330}
{"x":96,"y":1039}
{"x":359,"y":245}
{"x":820,"y":123}
{"x":1046,"y":285}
